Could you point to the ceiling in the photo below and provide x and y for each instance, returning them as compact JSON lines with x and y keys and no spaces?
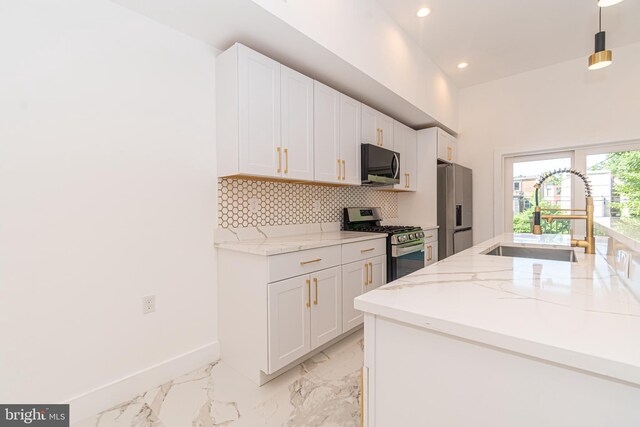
{"x":499,"y":38}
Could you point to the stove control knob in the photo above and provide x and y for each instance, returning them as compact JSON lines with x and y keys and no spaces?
{"x":421,"y":234}
{"x":402,"y":238}
{"x":412,"y":236}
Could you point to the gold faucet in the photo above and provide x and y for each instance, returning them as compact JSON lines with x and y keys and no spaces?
{"x":589,"y":243}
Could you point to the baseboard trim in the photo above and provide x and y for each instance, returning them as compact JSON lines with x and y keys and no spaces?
{"x":106,"y":396}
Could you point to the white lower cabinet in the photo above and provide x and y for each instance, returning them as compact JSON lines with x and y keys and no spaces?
{"x":326,"y":310}
{"x":357,"y":278}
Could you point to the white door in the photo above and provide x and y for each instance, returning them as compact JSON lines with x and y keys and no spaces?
{"x":326,"y":114}
{"x":377,"y":272}
{"x":350,"y":131}
{"x":370,"y":130}
{"x":297,"y":124}
{"x":385,"y":123}
{"x":447,"y":147}
{"x":354,"y":283}
{"x":289,"y":319}
{"x":326,"y":310}
{"x":410,"y":158}
{"x":259,"y":113}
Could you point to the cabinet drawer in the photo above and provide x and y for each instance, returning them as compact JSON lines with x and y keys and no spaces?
{"x":352,"y":252}
{"x":303,"y":262}
{"x":431,"y":235}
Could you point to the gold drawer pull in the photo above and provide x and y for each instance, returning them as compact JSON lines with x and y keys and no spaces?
{"x":429,"y":236}
{"x":315,"y":282}
{"x":367,"y":250}
{"x":309,"y":262}
{"x":309,"y":292}
{"x":366,"y":274}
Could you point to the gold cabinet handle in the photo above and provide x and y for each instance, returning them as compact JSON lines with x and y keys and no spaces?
{"x":378,"y":136}
{"x":367,"y":250}
{"x":382,"y":137}
{"x":366,"y":274}
{"x":309,"y":293}
{"x":408,"y":180}
{"x":315,"y":282}
{"x":370,"y":273}
{"x":449,"y":150}
{"x":429,"y":236}
{"x":339,"y":177}
{"x":310,"y":261}
{"x":286,"y":160}
{"x":279,"y":159}
{"x":344,"y":170}
{"x":430,"y":253}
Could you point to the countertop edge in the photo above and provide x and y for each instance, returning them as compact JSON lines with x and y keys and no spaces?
{"x":571,"y":359}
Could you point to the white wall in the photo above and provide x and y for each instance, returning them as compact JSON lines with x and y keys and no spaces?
{"x":362,"y":33}
{"x":561,"y":106}
{"x":107,"y":193}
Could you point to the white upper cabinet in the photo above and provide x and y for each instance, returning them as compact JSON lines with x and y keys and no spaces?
{"x":336,"y":136}
{"x":297,"y":124}
{"x":377,"y":128}
{"x":264,"y":117}
{"x":405,"y":143}
{"x":327,"y":164}
{"x":447,"y":146}
{"x":349,"y":138}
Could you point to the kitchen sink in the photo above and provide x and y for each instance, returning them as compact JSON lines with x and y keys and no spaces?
{"x":536,"y":253}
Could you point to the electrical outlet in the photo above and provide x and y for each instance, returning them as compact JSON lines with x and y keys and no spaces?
{"x":148,"y":304}
{"x":316,"y":206}
{"x":254,"y":205}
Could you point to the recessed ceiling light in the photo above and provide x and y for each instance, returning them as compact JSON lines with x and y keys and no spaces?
{"x":607,"y":3}
{"x":463,"y":65}
{"x":423,"y":11}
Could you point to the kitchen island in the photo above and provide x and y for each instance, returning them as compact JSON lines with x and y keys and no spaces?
{"x":493,"y":340}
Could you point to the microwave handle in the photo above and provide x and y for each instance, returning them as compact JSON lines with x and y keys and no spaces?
{"x":397,"y":163}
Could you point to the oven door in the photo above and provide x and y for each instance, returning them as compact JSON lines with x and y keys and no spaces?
{"x":406,"y":258}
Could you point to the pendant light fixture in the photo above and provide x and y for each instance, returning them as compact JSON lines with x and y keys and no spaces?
{"x":601,"y":57}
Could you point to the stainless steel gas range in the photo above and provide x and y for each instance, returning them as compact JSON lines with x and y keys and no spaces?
{"x":405,"y":244}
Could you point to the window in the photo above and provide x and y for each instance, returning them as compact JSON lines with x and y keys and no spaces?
{"x":516,"y":186}
{"x":615,"y":182}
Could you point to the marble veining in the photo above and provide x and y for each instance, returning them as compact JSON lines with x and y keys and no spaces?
{"x":322,"y":391}
{"x":273,"y":240}
{"x":578,"y":314}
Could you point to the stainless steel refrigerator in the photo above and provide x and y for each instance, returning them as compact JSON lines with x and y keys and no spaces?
{"x":455,"y":209}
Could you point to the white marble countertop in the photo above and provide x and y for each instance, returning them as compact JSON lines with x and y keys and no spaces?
{"x":626,"y":230}
{"x":300,"y":242}
{"x":575,"y":314}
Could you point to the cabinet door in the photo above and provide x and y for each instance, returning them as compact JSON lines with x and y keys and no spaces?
{"x":377,"y":272}
{"x":326,"y":115}
{"x":400,"y":141}
{"x":430,"y":253}
{"x":297,"y":124}
{"x":289,"y":318}
{"x":326,"y":309}
{"x":354,"y":283}
{"x":350,"y":128}
{"x":385,"y":123}
{"x":446,"y":147}
{"x":259,"y":113}
{"x":370,"y":130}
{"x":411,"y":158}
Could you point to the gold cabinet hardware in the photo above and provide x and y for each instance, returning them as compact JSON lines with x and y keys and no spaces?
{"x":409,"y":180}
{"x":315,"y":283}
{"x":378,"y":136}
{"x":406,"y":180}
{"x":309,"y":293}
{"x":429,"y":253}
{"x":366,"y":274}
{"x":370,"y":273}
{"x":367,"y":250}
{"x":429,"y":236}
{"x":449,"y":150}
{"x":382,"y":137}
{"x":344,"y":170}
{"x":279,"y":159}
{"x":339,"y":177}
{"x":310,"y":261}
{"x":286,"y":160}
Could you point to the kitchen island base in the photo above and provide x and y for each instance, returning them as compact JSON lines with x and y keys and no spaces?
{"x":419,"y":377}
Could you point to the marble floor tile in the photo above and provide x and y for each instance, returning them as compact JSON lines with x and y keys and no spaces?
{"x":322,"y":391}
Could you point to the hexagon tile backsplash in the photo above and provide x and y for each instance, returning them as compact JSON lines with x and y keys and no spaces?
{"x":247,"y":203}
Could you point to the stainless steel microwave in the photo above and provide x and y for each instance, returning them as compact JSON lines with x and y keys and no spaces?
{"x":379,"y":166}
